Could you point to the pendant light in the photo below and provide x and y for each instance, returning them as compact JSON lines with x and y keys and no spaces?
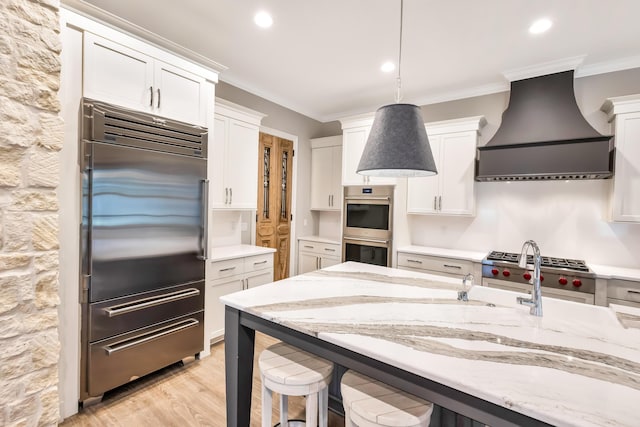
{"x":397,"y":145}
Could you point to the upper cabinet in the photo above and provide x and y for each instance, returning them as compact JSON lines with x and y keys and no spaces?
{"x":233,"y":157}
{"x":326,"y":169}
{"x":624,"y":116}
{"x":354,"y":138}
{"x":452,"y":190}
{"x":121,"y":75}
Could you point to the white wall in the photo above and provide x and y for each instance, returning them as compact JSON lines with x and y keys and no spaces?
{"x":231,"y":227}
{"x":566,"y":218}
{"x":330,"y":225}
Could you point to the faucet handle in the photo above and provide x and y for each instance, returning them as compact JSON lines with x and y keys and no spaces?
{"x":468,"y":276}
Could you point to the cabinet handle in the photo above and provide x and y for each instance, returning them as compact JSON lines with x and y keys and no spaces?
{"x":151,"y":92}
{"x":439,"y":203}
{"x":158,"y":97}
{"x":633,"y":292}
{"x":329,"y":199}
{"x":435,"y":203}
{"x":226,"y":196}
{"x":329,"y":250}
{"x":227,"y":269}
{"x":452,"y":266}
{"x":308,"y":247}
{"x":317,"y":263}
{"x":260,"y":262}
{"x":230,"y":195}
{"x":414,"y":260}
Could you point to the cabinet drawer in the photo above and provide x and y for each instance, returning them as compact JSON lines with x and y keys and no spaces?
{"x":227,"y":268}
{"x":258,"y":262}
{"x":450,"y":266}
{"x":625,"y":290}
{"x":308,"y":246}
{"x":322,"y":249}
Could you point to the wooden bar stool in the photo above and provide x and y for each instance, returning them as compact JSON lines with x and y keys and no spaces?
{"x":370,"y":403}
{"x":290,"y":371}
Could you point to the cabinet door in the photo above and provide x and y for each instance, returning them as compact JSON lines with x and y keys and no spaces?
{"x":307,"y":262}
{"x":179,"y":94}
{"x":214,"y":309}
{"x":353,"y":141}
{"x":457,"y":163}
{"x":336,"y":178}
{"x":116,"y":74}
{"x":216,"y":160}
{"x":258,"y":279}
{"x":626,"y":184}
{"x":322,"y":179}
{"x":328,"y":261}
{"x":241,"y":171}
{"x":423,"y":192}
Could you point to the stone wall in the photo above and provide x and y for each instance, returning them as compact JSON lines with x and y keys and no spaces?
{"x":31,"y":135}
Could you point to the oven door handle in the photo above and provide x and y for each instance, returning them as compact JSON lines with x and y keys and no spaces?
{"x":143,"y":303}
{"x":358,"y":239}
{"x":361,"y":198}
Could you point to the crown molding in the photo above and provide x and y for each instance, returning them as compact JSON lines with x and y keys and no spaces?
{"x":544,"y":68}
{"x":604,"y":67}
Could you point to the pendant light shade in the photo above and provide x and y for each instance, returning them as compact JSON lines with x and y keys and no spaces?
{"x":397,"y":145}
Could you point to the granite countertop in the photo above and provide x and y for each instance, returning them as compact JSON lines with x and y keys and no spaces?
{"x":321,"y":240}
{"x":608,"y":272}
{"x":579,"y":365}
{"x":443,"y":252}
{"x":223,"y":253}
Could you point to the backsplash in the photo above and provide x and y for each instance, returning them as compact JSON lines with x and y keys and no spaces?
{"x":566,"y":218}
{"x":31,"y":136}
{"x":231,"y":228}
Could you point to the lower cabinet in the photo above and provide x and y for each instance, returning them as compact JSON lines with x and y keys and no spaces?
{"x":442,"y":266}
{"x":546,"y":292}
{"x":313,"y":255}
{"x":623,"y":292}
{"x":230,"y":276}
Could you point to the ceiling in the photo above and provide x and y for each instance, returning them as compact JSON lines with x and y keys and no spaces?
{"x":322,"y":58}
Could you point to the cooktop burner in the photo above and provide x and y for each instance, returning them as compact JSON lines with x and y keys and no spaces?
{"x":571,"y":264}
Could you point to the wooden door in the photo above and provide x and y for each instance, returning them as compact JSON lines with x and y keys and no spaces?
{"x":273,"y":228}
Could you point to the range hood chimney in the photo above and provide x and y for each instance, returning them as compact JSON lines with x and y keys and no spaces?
{"x":543,"y":135}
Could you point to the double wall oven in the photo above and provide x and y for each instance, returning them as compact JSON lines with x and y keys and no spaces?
{"x":368,"y":222}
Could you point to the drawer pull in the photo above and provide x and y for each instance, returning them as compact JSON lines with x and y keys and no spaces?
{"x":417,"y":261}
{"x":227,"y":269}
{"x":158,"y":333}
{"x":260,"y":262}
{"x":633,"y":292}
{"x":141,"y":304}
{"x":452,"y":266}
{"x":329,"y":250}
{"x":308,"y":247}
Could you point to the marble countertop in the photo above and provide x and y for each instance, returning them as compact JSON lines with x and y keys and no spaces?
{"x":223,"y":253}
{"x":321,"y":240}
{"x":579,"y":365}
{"x":443,"y":252}
{"x":608,"y":272}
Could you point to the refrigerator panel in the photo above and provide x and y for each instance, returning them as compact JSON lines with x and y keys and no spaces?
{"x":145,"y":216}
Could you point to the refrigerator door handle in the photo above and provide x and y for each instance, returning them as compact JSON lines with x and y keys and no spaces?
{"x":204,"y":239}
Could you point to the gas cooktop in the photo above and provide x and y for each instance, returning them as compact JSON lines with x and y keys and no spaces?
{"x":549,"y":262}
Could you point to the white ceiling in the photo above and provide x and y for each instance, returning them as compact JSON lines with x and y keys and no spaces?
{"x":322,"y":58}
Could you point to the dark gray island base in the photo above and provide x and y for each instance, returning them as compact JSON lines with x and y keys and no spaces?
{"x":240,"y":328}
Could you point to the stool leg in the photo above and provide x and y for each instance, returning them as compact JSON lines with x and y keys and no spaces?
{"x":312,"y":410}
{"x":284,"y":411}
{"x":324,"y":407}
{"x":267,"y":406}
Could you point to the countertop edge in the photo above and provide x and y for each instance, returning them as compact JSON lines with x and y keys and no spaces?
{"x":224,"y":253}
{"x":474,"y":256}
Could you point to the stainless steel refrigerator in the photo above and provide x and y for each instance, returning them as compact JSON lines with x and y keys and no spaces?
{"x":143,"y":244}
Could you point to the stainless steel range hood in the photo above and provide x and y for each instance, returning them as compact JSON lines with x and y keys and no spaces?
{"x":543,"y":135}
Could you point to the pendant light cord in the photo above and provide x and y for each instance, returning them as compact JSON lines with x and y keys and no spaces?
{"x":398,"y":94}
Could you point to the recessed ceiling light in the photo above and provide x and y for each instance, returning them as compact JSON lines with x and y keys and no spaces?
{"x":263,"y":19}
{"x":540,"y":26}
{"x":388,"y":67}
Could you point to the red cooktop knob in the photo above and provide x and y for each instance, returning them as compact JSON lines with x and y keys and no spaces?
{"x":506,"y":273}
{"x":494,"y":271}
{"x":577,"y":283}
{"x":527,"y":276}
{"x":541,"y":278}
{"x":563,"y":281}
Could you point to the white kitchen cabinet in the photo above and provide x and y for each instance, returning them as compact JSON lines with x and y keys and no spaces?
{"x":442,"y":266}
{"x":562,"y":294}
{"x":452,"y":190}
{"x":623,"y":292}
{"x":326,"y":169}
{"x":354,"y":138}
{"x":121,"y":75}
{"x":230,"y":276}
{"x":624,"y":116}
{"x":234,"y":157}
{"x":314,"y":255}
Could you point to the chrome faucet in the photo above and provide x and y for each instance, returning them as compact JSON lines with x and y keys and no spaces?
{"x":535,"y":302}
{"x":462,"y":295}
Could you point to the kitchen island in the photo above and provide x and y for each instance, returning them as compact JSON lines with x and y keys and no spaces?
{"x":487,"y":359}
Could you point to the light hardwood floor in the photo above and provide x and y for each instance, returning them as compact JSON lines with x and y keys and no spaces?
{"x":192,"y":395}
